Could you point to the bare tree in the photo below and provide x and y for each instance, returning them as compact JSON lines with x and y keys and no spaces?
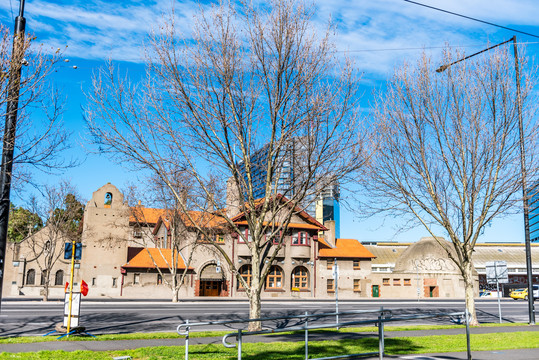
{"x":448,"y":152}
{"x":178,"y":238}
{"x":64,"y":212}
{"x":256,"y":97}
{"x":40,"y":137}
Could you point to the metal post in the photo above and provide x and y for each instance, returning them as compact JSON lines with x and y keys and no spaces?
{"x":498,"y":290}
{"x":336,"y":277}
{"x":306,"y":335}
{"x":468,"y":348}
{"x":381,"y":336}
{"x":6,"y":167}
{"x":187,"y":340}
{"x":527,"y":241}
{"x":239,"y":344}
{"x":71,"y":286}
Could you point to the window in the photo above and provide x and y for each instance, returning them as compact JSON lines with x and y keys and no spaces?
{"x":247,"y":235}
{"x":114,"y":282}
{"x":300,"y":278}
{"x":396,"y":282}
{"x":274,"y":280}
{"x":357,"y":285}
{"x":245,"y":272}
{"x":276,"y":238}
{"x":329,"y":264}
{"x":220,"y":239}
{"x":357,"y":265}
{"x":31,"y":277}
{"x":385,"y":282}
{"x":330,"y":285}
{"x":108,"y":200}
{"x":94,"y":281}
{"x":159,"y":279}
{"x":136,"y":279}
{"x":300,"y":238}
{"x":43,"y":277}
{"x":59,"y":278}
{"x":407,"y":282}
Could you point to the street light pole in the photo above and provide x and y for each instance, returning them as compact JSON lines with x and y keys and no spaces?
{"x":527,"y":241}
{"x":529,"y":267}
{"x":9,"y":134}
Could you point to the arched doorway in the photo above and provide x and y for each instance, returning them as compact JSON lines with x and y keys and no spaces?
{"x":211,"y":281}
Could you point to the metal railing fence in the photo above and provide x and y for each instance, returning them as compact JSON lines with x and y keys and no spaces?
{"x":381,"y":317}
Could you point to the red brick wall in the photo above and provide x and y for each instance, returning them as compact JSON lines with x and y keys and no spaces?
{"x":197,"y":287}
{"x":225,"y":290}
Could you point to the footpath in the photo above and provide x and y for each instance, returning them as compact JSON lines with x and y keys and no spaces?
{"x":520,"y":354}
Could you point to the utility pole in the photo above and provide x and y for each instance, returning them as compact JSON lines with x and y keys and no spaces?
{"x":6,"y":168}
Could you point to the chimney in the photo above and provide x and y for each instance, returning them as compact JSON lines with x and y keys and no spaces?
{"x":329,"y":235}
{"x":232,"y":198}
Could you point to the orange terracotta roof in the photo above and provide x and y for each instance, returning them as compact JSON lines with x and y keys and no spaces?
{"x":290,"y":225}
{"x":345,"y":248}
{"x":144,"y":215}
{"x":161,"y":257}
{"x":202,"y":219}
{"x":308,"y":218}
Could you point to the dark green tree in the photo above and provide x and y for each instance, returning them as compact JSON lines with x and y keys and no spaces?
{"x":22,"y":223}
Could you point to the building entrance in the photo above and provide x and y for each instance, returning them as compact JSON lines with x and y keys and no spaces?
{"x":375,"y":291}
{"x":211,"y":281}
{"x":210,"y":288}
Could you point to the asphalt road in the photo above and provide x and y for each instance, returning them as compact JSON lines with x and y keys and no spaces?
{"x":19,"y":318}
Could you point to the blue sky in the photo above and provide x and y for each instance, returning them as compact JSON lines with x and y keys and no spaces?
{"x":377,"y":34}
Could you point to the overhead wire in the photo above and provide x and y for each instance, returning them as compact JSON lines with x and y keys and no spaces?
{"x":430,"y":47}
{"x":471,"y":18}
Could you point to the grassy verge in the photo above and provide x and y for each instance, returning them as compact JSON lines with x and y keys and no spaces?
{"x":293,"y":351}
{"x":173,"y":335}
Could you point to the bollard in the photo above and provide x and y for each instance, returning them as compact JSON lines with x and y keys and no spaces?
{"x":187,"y":340}
{"x":239,"y":344}
{"x":381,"y":337}
{"x":306,"y":335}
{"x":468,"y":348}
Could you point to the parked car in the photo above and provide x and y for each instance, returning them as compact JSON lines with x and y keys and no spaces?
{"x":523,"y":293}
{"x":488,"y":293}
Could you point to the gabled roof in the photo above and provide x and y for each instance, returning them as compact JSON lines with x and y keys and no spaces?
{"x":143,"y":215}
{"x":162,"y":258}
{"x":239,"y":219}
{"x":344,"y":248}
{"x":202,"y":219}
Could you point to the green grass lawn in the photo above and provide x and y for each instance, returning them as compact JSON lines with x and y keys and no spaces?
{"x":289,"y":350}
{"x":172,"y":335}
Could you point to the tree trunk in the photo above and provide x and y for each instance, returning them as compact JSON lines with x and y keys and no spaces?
{"x":469,"y":293}
{"x":175,"y":295}
{"x":254,"y":311}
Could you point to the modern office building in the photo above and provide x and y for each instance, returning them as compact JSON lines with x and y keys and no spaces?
{"x":533,"y":204}
{"x":321,"y":204}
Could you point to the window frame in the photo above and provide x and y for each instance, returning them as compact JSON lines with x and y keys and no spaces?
{"x":299,"y":280}
{"x":301,"y":238}
{"x":61,"y":282}
{"x":356,"y":264}
{"x":276,"y":277}
{"x":357,"y":285}
{"x":330,"y":285}
{"x":33,"y":278}
{"x":246,"y":276}
{"x":386,"y":282}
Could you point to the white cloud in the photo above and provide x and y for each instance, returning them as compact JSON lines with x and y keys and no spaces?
{"x":117,"y":29}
